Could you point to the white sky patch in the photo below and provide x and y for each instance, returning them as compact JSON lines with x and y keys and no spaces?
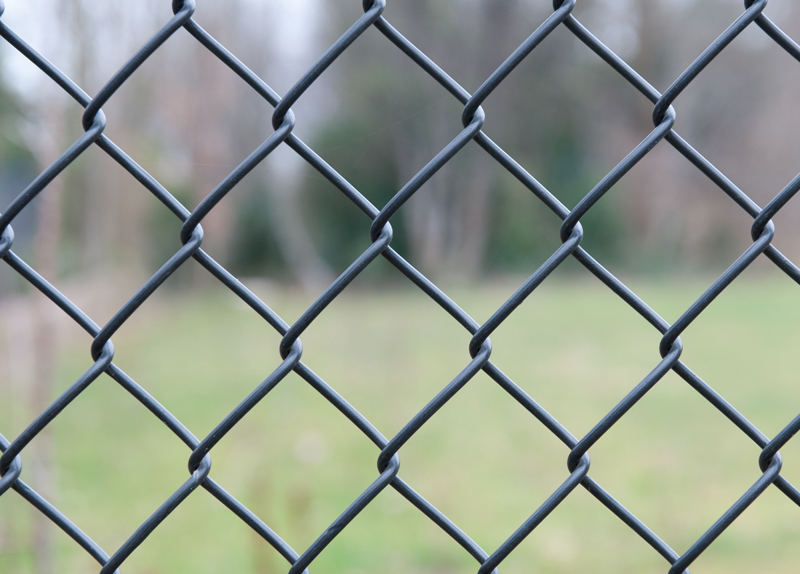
{"x":26,"y":18}
{"x":293,"y":34}
{"x":616,"y":23}
{"x":119,"y":28}
{"x":289,"y":31}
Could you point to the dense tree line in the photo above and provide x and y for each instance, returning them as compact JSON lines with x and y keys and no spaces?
{"x":377,"y":118}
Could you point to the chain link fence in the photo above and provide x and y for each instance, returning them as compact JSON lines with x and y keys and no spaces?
{"x":380,"y":232}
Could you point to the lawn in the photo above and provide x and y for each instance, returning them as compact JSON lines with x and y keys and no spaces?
{"x":482,"y":460}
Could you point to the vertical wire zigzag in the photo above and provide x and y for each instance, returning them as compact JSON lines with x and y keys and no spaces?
{"x":290,"y":349}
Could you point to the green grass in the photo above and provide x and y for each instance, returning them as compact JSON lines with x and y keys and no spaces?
{"x":483,"y":460}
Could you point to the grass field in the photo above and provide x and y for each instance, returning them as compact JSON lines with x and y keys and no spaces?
{"x":483,"y":460}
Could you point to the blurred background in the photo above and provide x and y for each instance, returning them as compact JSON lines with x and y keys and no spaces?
{"x":376,"y":118}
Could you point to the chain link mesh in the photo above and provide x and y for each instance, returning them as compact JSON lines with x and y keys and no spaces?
{"x":290,"y":349}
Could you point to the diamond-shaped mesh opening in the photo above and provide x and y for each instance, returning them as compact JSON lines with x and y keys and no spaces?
{"x":757,"y":539}
{"x":192,"y":363}
{"x":581,"y":534}
{"x":579,"y":370}
{"x":104,"y":493}
{"x":243,"y":550}
{"x":423,"y":352}
{"x":641,"y":461}
{"x":294,"y":436}
{"x":503,"y":461}
{"x":373,"y":541}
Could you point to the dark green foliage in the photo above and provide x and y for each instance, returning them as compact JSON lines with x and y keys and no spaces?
{"x":354,"y":148}
{"x":255,"y":250}
{"x":524,"y":231}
